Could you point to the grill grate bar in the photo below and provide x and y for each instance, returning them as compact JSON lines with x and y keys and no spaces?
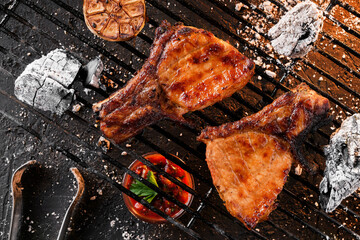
{"x":3,"y":50}
{"x":331,"y":98}
{"x":343,"y":26}
{"x":348,"y":8}
{"x":283,"y":230}
{"x":321,"y":213}
{"x":11,"y":6}
{"x":315,"y":230}
{"x":341,"y":44}
{"x":200,"y":207}
{"x":316,"y":190}
{"x":331,"y":78}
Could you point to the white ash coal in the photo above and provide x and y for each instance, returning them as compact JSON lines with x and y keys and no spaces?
{"x":45,"y":82}
{"x":297,"y":30}
{"x":342,"y":173}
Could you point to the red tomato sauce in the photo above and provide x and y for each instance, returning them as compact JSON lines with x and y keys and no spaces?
{"x":165,"y":184}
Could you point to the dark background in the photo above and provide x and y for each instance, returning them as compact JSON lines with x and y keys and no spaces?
{"x":31,"y":28}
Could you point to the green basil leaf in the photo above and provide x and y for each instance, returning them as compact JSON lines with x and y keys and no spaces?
{"x":142,"y":190}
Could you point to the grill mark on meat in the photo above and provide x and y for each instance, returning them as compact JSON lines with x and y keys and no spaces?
{"x":187,"y":58}
{"x":192,"y":86}
{"x":179,"y":49}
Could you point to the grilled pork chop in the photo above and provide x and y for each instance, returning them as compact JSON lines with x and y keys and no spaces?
{"x":250,"y":159}
{"x":188,"y":69}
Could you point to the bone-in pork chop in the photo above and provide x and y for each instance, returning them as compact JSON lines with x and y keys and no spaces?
{"x":250,"y":159}
{"x":188,"y":69}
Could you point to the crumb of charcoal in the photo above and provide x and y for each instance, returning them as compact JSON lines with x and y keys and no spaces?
{"x":298,"y":170}
{"x":104,"y":142}
{"x":112,"y":223}
{"x":238,"y":6}
{"x":76,"y":108}
{"x":99,"y":191}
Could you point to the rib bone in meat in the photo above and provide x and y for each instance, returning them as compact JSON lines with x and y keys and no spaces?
{"x":188,"y":69}
{"x":342,"y":173}
{"x":250,"y":159}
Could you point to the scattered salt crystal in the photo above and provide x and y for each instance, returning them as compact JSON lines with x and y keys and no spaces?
{"x":93,"y":198}
{"x":123,"y":153}
{"x":99,"y":191}
{"x":128,"y":145}
{"x":270,"y":73}
{"x":298,"y":170}
{"x":112,"y":223}
{"x":238,"y":6}
{"x":268,"y":8}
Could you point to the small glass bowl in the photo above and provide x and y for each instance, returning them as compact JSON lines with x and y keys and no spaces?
{"x":129,"y":202}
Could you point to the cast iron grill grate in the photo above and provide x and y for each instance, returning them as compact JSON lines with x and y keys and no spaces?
{"x":219,"y":17}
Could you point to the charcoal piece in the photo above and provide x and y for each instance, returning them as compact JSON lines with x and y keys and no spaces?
{"x":93,"y":70}
{"x":52,"y":96}
{"x":45,"y":82}
{"x":342,"y":172}
{"x":26,"y":86}
{"x":297,"y":30}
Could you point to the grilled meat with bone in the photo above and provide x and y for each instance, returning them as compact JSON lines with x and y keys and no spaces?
{"x":250,"y":159}
{"x":342,"y":173}
{"x":188,"y":69}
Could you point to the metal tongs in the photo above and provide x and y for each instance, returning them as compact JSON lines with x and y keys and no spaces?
{"x":17,"y":211}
